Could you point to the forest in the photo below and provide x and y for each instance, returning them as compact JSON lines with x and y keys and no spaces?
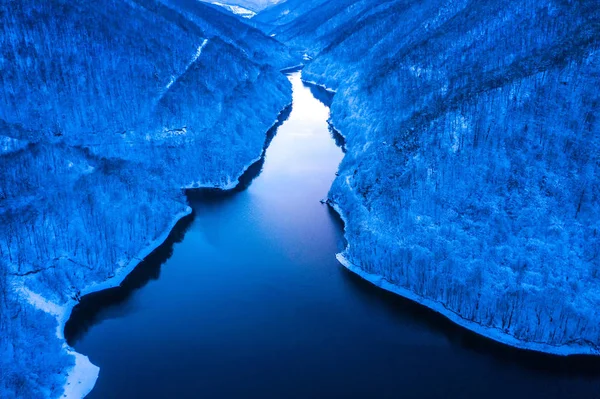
{"x":472,"y":176}
{"x":109,"y":110}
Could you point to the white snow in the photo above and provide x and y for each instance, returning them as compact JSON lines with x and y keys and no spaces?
{"x":493,"y":333}
{"x":195,"y":57}
{"x":311,"y":82}
{"x":292,"y":68}
{"x":41,"y":303}
{"x":241,"y":11}
{"x":81,"y":378}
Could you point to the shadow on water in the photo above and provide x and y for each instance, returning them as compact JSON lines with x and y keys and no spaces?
{"x":340,"y":141}
{"x":250,"y":174}
{"x":92,"y":307}
{"x":575,"y":365}
{"x":325,"y":97}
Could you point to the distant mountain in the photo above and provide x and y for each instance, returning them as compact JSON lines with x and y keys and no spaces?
{"x":252,"y":5}
{"x":237,"y":10}
{"x":287,"y":11}
{"x":108,"y":109}
{"x":471,"y":181}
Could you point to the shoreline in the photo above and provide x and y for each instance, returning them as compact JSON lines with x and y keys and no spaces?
{"x":491,"y":333}
{"x":232,"y":184}
{"x":486,"y":332}
{"x":292,"y":69}
{"x":82,"y":377}
{"x":328,"y":89}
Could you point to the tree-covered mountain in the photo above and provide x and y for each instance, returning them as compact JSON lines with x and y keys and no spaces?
{"x":471,"y":181}
{"x":108,"y":109}
{"x":287,"y":12}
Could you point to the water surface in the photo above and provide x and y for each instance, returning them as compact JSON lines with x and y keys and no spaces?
{"x":246,"y":300}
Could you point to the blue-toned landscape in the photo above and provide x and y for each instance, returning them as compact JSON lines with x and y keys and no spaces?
{"x":329,"y":199}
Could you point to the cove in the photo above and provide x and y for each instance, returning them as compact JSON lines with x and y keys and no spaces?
{"x":247,"y":300}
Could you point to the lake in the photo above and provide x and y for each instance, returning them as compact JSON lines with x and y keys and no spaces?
{"x":247,"y":300}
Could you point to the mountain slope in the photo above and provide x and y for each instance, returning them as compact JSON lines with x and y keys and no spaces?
{"x":288,"y":11}
{"x":108,"y":110}
{"x":472,"y":177}
{"x":253,"y":5}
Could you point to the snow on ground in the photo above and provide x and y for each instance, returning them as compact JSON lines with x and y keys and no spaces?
{"x":241,"y":11}
{"x":471,"y":177}
{"x":92,"y":169}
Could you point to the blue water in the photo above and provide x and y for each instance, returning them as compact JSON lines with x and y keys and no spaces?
{"x":247,"y":300}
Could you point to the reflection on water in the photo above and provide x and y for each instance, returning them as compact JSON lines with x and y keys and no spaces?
{"x":246,"y":299}
{"x":112,"y":302}
{"x":326,"y":97}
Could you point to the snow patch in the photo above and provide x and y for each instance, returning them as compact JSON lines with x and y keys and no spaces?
{"x":310,"y":82}
{"x":292,"y":68}
{"x":488,"y":332}
{"x":575,"y":348}
{"x":237,"y":10}
{"x":41,"y":303}
{"x":81,"y":378}
{"x":174,"y":78}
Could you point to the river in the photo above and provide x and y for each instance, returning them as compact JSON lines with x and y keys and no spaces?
{"x":247,"y":300}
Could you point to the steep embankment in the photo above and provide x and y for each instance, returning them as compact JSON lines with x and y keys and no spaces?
{"x":107,"y":110}
{"x":472,"y":177}
{"x":286,"y":12}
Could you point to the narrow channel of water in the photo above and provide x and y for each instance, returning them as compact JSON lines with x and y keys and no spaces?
{"x":247,"y":300}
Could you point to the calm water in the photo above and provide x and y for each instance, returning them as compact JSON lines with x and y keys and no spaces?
{"x":246,"y":300}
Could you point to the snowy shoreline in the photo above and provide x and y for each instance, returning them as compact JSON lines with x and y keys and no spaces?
{"x":82,"y":377}
{"x":329,"y":89}
{"x":492,"y":333}
{"x":231,"y":184}
{"x":487,"y":332}
{"x":292,"y":69}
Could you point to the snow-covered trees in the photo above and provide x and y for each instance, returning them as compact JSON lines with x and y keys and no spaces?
{"x":472,"y":176}
{"x":107,"y":110}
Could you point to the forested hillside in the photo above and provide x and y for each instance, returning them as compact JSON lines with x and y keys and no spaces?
{"x":472,"y":177}
{"x":288,"y":11}
{"x":108,"y":109}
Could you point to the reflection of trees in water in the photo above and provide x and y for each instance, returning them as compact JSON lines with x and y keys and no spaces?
{"x":94,"y":306}
{"x":340,"y":141}
{"x":585,"y":366}
{"x":325,"y":97}
{"x":250,"y":174}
